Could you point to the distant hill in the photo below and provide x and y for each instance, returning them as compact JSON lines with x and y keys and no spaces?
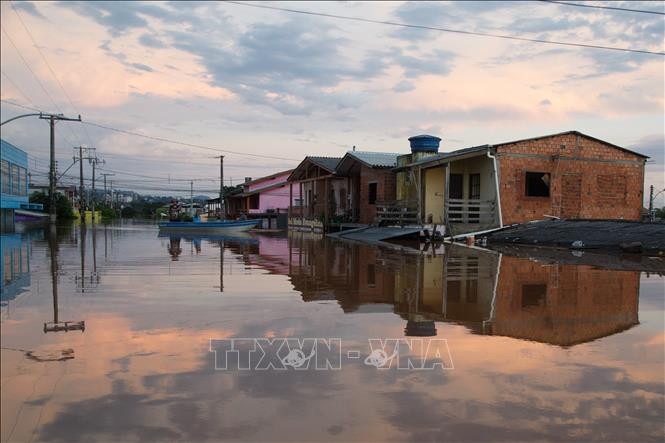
{"x":201,"y":198}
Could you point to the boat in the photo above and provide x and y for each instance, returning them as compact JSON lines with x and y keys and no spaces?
{"x":210,"y":227}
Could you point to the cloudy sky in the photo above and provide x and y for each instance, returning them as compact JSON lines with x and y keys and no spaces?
{"x":270,"y":87}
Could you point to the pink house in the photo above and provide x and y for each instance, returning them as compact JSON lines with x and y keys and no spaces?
{"x":267,"y":194}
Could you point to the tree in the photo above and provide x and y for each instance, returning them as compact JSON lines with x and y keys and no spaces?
{"x":63,"y":208}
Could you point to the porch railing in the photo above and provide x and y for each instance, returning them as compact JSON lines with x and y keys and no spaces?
{"x":471,"y":211}
{"x":399,"y":212}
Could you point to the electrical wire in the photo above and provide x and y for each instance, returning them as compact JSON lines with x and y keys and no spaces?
{"x":613,"y":8}
{"x":27,"y":65}
{"x":454,"y":31}
{"x":166,"y":140}
{"x":34,"y":43}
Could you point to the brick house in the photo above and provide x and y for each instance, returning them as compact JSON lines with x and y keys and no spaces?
{"x":316,"y":181}
{"x":567,"y":175}
{"x":370,"y":180}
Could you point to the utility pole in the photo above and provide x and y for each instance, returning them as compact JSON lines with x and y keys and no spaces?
{"x":80,"y":160}
{"x":94,"y":160}
{"x":221,"y":188}
{"x":652,"y":215}
{"x":106,"y":199}
{"x":191,"y":198}
{"x":52,"y":178}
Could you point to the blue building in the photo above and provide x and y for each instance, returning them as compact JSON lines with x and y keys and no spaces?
{"x":14,"y":184}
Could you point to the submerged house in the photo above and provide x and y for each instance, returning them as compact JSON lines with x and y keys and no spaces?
{"x":370,"y":181}
{"x":565,"y":175}
{"x":323,"y":194}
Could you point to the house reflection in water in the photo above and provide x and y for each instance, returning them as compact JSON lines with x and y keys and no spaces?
{"x":486,"y":292}
{"x":15,"y":271}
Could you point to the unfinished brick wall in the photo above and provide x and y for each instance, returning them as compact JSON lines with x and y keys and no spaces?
{"x":385,"y":191}
{"x":588,"y":179}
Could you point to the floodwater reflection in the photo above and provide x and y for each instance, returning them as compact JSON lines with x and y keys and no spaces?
{"x":542,"y":350}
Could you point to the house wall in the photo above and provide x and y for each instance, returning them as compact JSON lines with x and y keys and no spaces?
{"x":434,"y":180}
{"x":13,"y":193}
{"x":597,"y":180}
{"x":275,"y":198}
{"x":477,"y":165}
{"x":385,"y":191}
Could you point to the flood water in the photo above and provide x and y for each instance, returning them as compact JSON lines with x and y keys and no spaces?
{"x":530,"y":350}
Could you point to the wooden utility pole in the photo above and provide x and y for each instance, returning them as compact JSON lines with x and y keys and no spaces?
{"x":81,"y":211}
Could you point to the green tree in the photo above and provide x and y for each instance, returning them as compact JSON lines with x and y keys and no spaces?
{"x":63,"y":208}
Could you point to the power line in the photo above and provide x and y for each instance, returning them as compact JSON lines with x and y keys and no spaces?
{"x":166,"y":140}
{"x":20,"y":91}
{"x":614,"y":8}
{"x":191,"y":145}
{"x":27,"y":65}
{"x":34,"y":43}
{"x":455,"y":31}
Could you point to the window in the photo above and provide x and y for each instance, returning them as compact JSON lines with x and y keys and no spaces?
{"x":534,"y":295}
{"x":372,"y":193}
{"x":5,"y":177}
{"x":474,"y":186}
{"x":371,"y":275}
{"x":24,"y":182}
{"x":537,"y":184}
{"x":14,"y":182}
{"x":342,"y":199}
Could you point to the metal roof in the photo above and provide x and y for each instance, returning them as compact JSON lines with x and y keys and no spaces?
{"x":376,"y":159}
{"x":328,"y":163}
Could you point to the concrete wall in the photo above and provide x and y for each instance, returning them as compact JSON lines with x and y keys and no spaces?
{"x":589,"y":179}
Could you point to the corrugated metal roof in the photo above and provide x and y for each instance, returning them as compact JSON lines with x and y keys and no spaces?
{"x":329,"y":163}
{"x":376,"y":159}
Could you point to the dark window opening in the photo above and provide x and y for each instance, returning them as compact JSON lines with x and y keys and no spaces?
{"x":534,"y":295}
{"x":254,"y":201}
{"x":371,"y":275}
{"x":372,"y":193}
{"x":537,"y":184}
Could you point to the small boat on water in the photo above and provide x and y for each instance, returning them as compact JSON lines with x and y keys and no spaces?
{"x":210,"y":227}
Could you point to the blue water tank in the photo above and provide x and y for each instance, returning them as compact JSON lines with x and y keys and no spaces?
{"x":424,"y":143}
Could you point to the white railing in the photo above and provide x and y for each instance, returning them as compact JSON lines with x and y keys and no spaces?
{"x":469,"y":211}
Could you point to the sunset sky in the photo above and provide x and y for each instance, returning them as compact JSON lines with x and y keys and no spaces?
{"x":283,"y":85}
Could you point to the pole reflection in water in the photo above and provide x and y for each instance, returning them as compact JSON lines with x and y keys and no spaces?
{"x":56,"y":325}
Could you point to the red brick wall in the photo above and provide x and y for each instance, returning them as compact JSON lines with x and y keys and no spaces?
{"x":385,"y":191}
{"x":610,"y":181}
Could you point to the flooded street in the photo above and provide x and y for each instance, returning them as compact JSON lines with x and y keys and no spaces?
{"x":533,"y":350}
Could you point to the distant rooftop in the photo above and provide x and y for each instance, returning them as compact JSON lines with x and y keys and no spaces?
{"x":376,"y":159}
{"x":328,"y":163}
